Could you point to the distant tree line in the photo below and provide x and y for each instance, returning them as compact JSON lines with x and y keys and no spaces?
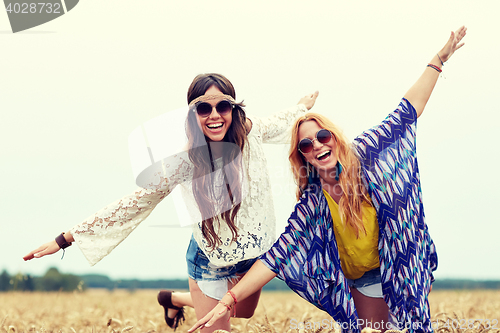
{"x":465,"y":284}
{"x":53,"y":280}
{"x":103,"y":281}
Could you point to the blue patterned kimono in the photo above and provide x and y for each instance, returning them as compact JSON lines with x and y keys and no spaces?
{"x":306,"y":256}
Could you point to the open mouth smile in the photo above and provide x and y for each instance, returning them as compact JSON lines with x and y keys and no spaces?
{"x":215,"y":127}
{"x":324,"y":155}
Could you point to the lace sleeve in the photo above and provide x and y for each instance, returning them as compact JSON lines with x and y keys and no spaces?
{"x":99,"y":234}
{"x":275,"y":128}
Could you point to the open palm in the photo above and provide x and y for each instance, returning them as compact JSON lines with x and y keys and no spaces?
{"x":453,"y":44}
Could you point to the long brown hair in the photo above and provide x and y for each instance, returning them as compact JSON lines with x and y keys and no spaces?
{"x":350,"y":179}
{"x":212,"y":209}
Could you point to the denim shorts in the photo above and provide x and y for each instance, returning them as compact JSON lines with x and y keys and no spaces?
{"x":370,"y":284}
{"x":212,"y":279}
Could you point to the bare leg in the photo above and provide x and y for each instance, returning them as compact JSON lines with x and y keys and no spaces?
{"x":371,"y":310}
{"x":180,"y":300}
{"x":204,"y":305}
{"x":245,"y":308}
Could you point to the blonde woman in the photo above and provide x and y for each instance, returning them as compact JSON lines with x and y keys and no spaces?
{"x":356,"y":245}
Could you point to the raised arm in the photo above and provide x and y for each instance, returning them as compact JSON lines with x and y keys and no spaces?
{"x":275,"y":128}
{"x":309,"y":100}
{"x":101,"y":232}
{"x":256,"y":278}
{"x":419,"y":93}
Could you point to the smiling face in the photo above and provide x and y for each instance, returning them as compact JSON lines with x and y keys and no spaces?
{"x":322,"y":156}
{"x":215,"y":126}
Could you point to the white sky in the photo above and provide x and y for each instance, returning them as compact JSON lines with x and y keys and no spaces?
{"x":72,"y":90}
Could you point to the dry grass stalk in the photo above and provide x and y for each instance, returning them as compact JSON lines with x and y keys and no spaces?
{"x":269,"y":325}
{"x":102,"y":311}
{"x":112,"y":321}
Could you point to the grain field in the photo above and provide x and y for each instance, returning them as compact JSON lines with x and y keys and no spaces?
{"x":102,"y":311}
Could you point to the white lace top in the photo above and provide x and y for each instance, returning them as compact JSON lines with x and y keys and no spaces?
{"x":99,"y":234}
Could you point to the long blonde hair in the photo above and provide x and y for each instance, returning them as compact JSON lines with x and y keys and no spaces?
{"x":354,"y":192}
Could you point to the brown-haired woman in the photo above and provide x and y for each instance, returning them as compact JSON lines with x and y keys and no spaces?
{"x":224,"y":174}
{"x":356,"y":245}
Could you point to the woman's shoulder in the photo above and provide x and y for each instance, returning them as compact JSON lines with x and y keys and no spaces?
{"x":248,"y":125}
{"x":311,"y":197}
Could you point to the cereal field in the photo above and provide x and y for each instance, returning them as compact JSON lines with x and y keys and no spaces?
{"x":123,"y":311}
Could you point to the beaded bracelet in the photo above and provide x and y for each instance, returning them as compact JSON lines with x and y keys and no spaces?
{"x":439,"y":70}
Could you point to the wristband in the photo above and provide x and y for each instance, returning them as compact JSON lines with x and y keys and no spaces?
{"x":226,"y":305}
{"x":233,"y":296}
{"x":439,"y":70}
{"x":442,"y":64}
{"x":62,"y":242}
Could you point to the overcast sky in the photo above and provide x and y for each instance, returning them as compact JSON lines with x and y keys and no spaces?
{"x":72,"y":90}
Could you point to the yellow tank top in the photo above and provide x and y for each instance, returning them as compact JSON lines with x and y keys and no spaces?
{"x":357,"y":255}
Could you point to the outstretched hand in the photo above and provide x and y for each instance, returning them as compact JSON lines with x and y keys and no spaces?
{"x":452,"y":44}
{"x":218,"y":312}
{"x":309,"y":100}
{"x":47,"y":248}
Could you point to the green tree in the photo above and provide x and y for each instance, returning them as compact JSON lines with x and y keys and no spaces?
{"x":5,"y":281}
{"x":24,"y":282}
{"x":53,"y":280}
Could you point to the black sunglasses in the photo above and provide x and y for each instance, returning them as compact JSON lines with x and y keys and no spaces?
{"x":204,"y":109}
{"x":306,"y":145}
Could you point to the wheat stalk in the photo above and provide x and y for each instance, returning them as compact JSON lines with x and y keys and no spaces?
{"x":271,"y":327}
{"x":113,"y":312}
